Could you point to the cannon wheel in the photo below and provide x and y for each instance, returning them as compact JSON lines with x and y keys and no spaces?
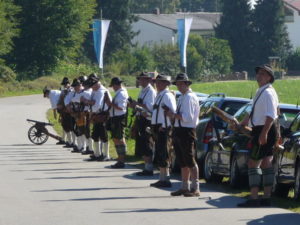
{"x":37,"y":136}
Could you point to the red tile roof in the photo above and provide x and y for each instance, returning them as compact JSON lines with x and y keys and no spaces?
{"x":295,"y":4}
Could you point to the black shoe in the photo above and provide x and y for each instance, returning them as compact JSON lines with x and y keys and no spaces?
{"x":180,"y":192}
{"x":75,"y":150}
{"x":162,"y":184}
{"x":118,"y":165}
{"x":145,"y":173}
{"x":93,"y":158}
{"x":250,"y":203}
{"x":265,"y":202}
{"x":61,"y":142}
{"x":68,"y":145}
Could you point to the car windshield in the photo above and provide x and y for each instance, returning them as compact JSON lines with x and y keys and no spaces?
{"x":205,"y":110}
{"x":286,"y":117}
{"x":232,"y":107}
{"x":296,"y":124}
{"x":242,"y":112}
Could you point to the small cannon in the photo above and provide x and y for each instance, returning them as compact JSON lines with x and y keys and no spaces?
{"x":38,"y":133}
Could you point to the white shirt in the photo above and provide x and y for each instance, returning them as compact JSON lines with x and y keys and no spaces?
{"x":188,"y":107}
{"x":163,"y":98}
{"x":69,"y":97}
{"x":54,"y":96}
{"x":266,"y":105}
{"x":98,"y":97}
{"x":148,"y":95}
{"x":87,"y":94}
{"x":120,"y":100}
{"x":76,"y":96}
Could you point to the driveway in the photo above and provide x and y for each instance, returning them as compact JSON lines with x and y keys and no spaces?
{"x":43,"y":185}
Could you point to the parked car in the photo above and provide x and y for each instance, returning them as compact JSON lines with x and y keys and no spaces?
{"x":229,"y":159}
{"x":287,"y":162}
{"x":210,"y":125}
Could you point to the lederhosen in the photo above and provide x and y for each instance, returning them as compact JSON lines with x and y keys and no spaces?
{"x":143,"y":140}
{"x":79,"y":116}
{"x":99,"y":128}
{"x":161,"y":138}
{"x":67,"y":121}
{"x":258,"y":151}
{"x":184,"y":143}
{"x":118,"y":123}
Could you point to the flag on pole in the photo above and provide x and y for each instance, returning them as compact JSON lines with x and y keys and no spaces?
{"x":100,"y":28}
{"x":183,"y":26}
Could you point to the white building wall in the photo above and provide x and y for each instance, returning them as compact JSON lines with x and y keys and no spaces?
{"x":293,"y":29}
{"x":151,"y":33}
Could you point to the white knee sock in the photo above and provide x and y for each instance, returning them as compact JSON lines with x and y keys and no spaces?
{"x":105,"y":148}
{"x":91,"y":144}
{"x":69,"y":138}
{"x":73,"y":138}
{"x":97,"y":149}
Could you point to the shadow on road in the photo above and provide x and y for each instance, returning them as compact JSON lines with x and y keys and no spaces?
{"x":277,"y":219}
{"x":88,"y":189}
{"x":151,"y":210}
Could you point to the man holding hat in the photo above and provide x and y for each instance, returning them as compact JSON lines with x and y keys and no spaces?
{"x":99,"y":118}
{"x":143,"y":107}
{"x":118,"y":115}
{"x":184,"y":136}
{"x":264,"y":133}
{"x":161,"y":125}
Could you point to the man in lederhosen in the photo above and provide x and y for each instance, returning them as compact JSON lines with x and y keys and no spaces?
{"x":99,"y":119}
{"x":118,"y":117}
{"x":54,"y":96}
{"x":65,"y":117}
{"x":184,"y":136}
{"x":77,"y":111}
{"x":262,"y":119}
{"x":87,"y":95}
{"x":143,"y":107}
{"x":161,"y":125}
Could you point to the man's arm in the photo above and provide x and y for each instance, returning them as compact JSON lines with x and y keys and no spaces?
{"x":264,"y":133}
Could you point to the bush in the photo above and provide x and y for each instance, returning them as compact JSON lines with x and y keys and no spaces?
{"x":293,"y":60}
{"x":7,"y":74}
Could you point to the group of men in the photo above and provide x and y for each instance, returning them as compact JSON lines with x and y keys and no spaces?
{"x":162,"y":123}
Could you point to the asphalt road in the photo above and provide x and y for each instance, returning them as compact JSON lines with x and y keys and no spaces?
{"x":43,"y":185}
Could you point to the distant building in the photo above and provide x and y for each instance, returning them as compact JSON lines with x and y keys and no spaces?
{"x":162,"y":28}
{"x":292,"y":21}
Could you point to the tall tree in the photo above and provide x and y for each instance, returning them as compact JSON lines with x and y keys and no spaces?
{"x":8,"y":25}
{"x":235,"y":26}
{"x":51,"y":30}
{"x":119,"y":34}
{"x":271,"y":37}
{"x":148,"y":6}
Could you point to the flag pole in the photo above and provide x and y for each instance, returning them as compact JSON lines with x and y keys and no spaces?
{"x":102,"y":67}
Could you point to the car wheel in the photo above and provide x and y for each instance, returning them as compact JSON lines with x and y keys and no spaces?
{"x":297,"y":184}
{"x":234,"y":178}
{"x":208,"y":173}
{"x":279,"y":189}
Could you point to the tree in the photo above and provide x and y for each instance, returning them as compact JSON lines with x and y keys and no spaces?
{"x":119,"y":34}
{"x":293,"y":61}
{"x":271,"y":37}
{"x":166,"y":58}
{"x":51,"y":30}
{"x":235,"y":26}
{"x":165,"y":6}
{"x":8,"y":25}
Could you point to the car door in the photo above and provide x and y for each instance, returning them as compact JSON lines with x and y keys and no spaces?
{"x":287,"y":163}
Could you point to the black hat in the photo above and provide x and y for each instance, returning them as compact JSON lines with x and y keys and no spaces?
{"x":65,"y":81}
{"x":46,"y":90}
{"x":93,"y":75}
{"x":93,"y":80}
{"x":115,"y":80}
{"x":144,"y":75}
{"x":76,"y":82}
{"x":82,"y":79}
{"x":163,"y":77}
{"x":182,"y":77}
{"x":267,"y":68}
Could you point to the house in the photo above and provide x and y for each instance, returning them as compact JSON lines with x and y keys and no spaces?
{"x":162,"y":28}
{"x":292,"y":21}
